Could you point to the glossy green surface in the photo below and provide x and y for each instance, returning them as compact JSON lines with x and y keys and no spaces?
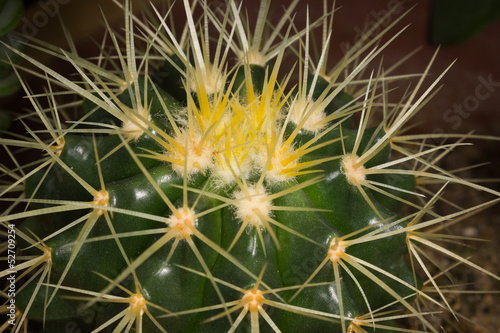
{"x":210,"y":268}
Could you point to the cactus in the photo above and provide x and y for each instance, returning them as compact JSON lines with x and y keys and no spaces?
{"x":200,"y":190}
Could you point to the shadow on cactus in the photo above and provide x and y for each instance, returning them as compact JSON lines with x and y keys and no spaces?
{"x":202,"y":190}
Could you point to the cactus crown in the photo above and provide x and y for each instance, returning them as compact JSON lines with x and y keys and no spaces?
{"x":199,"y":189}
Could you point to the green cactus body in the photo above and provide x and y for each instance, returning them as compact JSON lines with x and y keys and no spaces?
{"x":179,"y":270}
{"x":202,"y":198}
